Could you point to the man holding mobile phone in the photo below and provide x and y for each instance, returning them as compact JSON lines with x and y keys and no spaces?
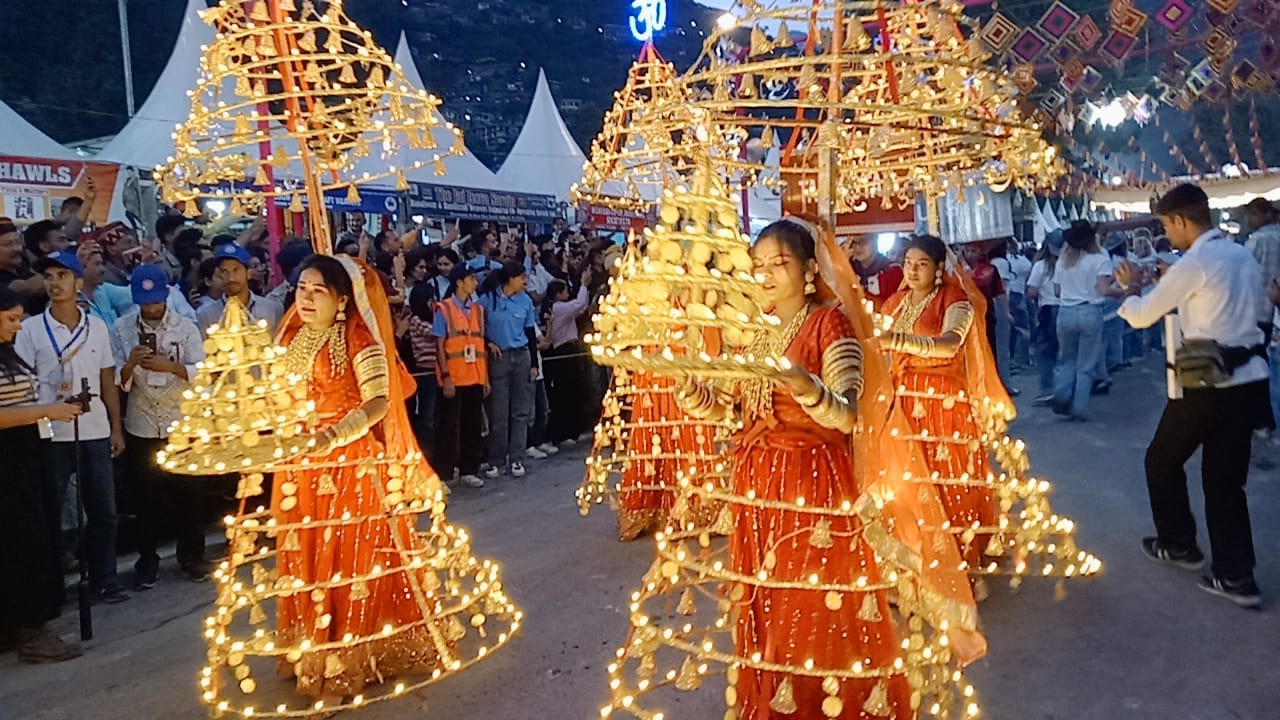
{"x":156,"y":351}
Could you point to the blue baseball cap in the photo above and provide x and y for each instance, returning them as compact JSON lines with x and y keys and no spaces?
{"x":149,"y":284}
{"x":63,"y":259}
{"x":234,"y":251}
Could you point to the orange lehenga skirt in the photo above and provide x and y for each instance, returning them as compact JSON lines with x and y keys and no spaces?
{"x":663,"y":443}
{"x":356,"y":612}
{"x":953,"y":450}
{"x":792,"y":625}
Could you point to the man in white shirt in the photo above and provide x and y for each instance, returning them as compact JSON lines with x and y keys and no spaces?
{"x":156,"y":351}
{"x":1214,"y":287}
{"x":233,"y":269}
{"x":70,"y":348}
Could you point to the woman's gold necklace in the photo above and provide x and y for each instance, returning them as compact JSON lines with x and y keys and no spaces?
{"x":758,"y":394}
{"x":910,"y":311}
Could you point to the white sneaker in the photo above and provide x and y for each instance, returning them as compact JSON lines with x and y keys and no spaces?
{"x":548,"y":448}
{"x":517,"y":470}
{"x":587,"y":436}
{"x":470,"y":481}
{"x":535,"y":453}
{"x":489,"y":471}
{"x":568,"y":443}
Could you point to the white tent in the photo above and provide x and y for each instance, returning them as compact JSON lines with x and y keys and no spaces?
{"x":19,"y":137}
{"x":1051,"y":222}
{"x":147,"y":140}
{"x":461,"y":170}
{"x":545,"y":158}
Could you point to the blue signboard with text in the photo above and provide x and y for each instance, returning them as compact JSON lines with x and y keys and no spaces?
{"x":473,"y":204}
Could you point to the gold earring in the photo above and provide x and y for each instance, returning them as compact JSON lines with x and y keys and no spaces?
{"x":342,"y":314}
{"x":938,"y":276}
{"x":809,"y":287}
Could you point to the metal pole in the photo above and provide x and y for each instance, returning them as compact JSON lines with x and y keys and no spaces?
{"x":124,"y":49}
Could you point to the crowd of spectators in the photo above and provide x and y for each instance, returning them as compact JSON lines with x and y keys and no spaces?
{"x":489,"y":322}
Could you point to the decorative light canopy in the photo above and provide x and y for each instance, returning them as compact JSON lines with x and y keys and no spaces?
{"x":651,"y":138}
{"x":290,"y":97}
{"x":885,"y":100}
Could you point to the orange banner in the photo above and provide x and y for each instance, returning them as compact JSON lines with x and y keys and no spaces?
{"x":34,"y":188}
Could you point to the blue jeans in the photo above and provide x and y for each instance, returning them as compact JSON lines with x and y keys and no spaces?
{"x":97,"y":488}
{"x":1079,"y":356}
{"x":510,"y":404}
{"x":1273,"y":356}
{"x":1046,"y":343}
{"x":424,"y":412}
{"x":1020,"y":335}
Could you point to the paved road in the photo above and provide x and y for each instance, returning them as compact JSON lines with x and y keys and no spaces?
{"x":1139,"y":643}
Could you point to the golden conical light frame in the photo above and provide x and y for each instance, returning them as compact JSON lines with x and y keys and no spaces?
{"x":289,"y":100}
{"x":651,"y":139}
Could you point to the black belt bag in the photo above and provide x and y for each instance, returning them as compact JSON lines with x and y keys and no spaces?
{"x":1206,"y":363}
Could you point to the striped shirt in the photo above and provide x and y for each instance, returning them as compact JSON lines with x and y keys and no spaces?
{"x":424,"y":344}
{"x":17,"y":389}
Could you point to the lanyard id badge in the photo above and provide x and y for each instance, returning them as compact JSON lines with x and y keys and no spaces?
{"x":469,"y":353}
{"x":65,"y":377}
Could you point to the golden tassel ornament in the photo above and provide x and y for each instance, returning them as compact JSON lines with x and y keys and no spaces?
{"x":821,"y":535}
{"x":689,"y":677}
{"x":877,"y":703}
{"x":870,"y":610}
{"x":784,"y":699}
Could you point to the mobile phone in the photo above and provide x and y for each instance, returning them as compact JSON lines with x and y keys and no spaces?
{"x":147,"y":340}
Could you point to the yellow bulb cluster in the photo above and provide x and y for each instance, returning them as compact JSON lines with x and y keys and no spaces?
{"x":923,"y":113}
{"x":289,"y":99}
{"x":244,"y":410}
{"x":685,"y":298}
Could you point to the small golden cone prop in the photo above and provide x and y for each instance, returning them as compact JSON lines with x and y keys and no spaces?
{"x":244,"y":410}
{"x":685,"y":298}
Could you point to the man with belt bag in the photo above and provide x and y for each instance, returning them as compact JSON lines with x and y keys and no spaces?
{"x":1221,"y":369}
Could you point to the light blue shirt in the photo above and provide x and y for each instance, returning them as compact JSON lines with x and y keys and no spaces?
{"x":482,"y":265}
{"x":109,"y":302}
{"x":507,"y":317}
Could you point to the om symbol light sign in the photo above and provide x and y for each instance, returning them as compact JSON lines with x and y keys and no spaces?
{"x":650,"y":17}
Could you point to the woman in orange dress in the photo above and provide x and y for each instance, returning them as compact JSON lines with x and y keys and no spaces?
{"x":939,"y":369}
{"x":662,"y":444}
{"x":791,"y":462}
{"x":363,"y":616}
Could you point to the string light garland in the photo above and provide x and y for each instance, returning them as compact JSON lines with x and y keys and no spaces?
{"x":1028,"y":538}
{"x":290,"y":97}
{"x":679,"y":651}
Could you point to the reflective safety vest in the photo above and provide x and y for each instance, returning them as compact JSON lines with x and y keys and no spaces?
{"x":464,"y":346}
